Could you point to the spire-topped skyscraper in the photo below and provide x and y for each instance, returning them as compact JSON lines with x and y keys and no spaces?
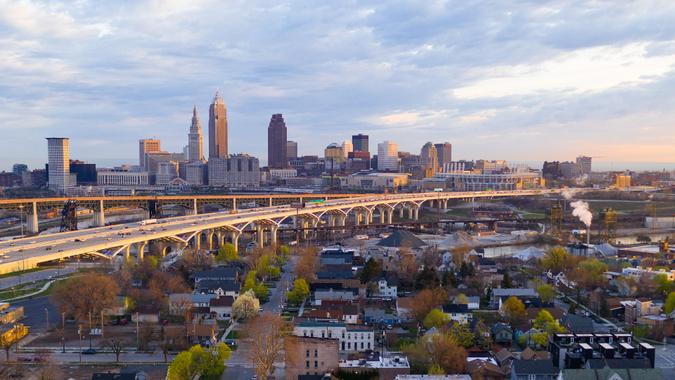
{"x":195,"y":139}
{"x":217,"y":128}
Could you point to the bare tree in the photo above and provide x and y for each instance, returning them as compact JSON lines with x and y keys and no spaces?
{"x":116,"y":345}
{"x":85,"y":295}
{"x":266,"y":333}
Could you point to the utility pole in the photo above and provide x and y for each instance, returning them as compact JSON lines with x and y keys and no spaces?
{"x":63,"y":331}
{"x":138,"y":344}
{"x":47,"y":317}
{"x":79,"y":332}
{"x":90,"y":329}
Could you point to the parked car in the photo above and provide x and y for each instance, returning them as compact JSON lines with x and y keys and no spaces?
{"x":89,"y":351}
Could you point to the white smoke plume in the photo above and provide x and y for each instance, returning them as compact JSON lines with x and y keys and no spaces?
{"x":582,"y":212}
{"x":568,"y":193}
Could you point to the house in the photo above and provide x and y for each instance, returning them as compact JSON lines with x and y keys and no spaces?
{"x":134,"y":375}
{"x":376,"y":315}
{"x":387,"y":285}
{"x":201,"y":330}
{"x":530,"y":354}
{"x":504,"y":358}
{"x":353,"y":338}
{"x":529,"y":296}
{"x":458,"y":312}
{"x":221,"y":307}
{"x":485,"y":370}
{"x":577,"y":324}
{"x":404,"y":308}
{"x":218,"y":287}
{"x":331,"y":292}
{"x":146,"y":314}
{"x":502,"y":333}
{"x":310,"y":356}
{"x":336,"y":257}
{"x":634,"y":309}
{"x":336,"y":311}
{"x":533,"y":370}
{"x":222,"y":273}
{"x":120,"y":308}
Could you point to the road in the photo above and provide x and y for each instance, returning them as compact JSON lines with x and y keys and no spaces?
{"x":239,"y":367}
{"x":46,"y":274}
{"x":35,"y":315}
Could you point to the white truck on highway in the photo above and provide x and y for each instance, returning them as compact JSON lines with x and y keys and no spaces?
{"x":147,"y":221}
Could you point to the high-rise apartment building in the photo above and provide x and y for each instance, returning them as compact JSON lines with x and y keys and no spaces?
{"x":217,"y":128}
{"x":239,"y":170}
{"x":360,"y":143}
{"x":276,"y":143}
{"x":19,"y":169}
{"x":58,"y":152}
{"x":195,"y":139}
{"x":387,"y":156}
{"x":584,"y":163}
{"x":444,"y":152}
{"x":147,"y":146}
{"x":291,"y":150}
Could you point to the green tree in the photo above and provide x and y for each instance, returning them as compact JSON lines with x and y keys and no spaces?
{"x":284,"y":251}
{"x":543,"y":318}
{"x":299,"y":293}
{"x":436,"y":318}
{"x":208,"y":363}
{"x":663,"y":285}
{"x":261,"y":291}
{"x":669,"y":306}
{"x":557,"y":260}
{"x":227,"y":253}
{"x":546,"y":293}
{"x":249,"y":281}
{"x":370,"y":271}
{"x":435,"y":369}
{"x":514,"y":309}
{"x":462,"y":334}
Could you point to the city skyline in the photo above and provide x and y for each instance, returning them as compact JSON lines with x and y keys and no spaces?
{"x":484,"y":81}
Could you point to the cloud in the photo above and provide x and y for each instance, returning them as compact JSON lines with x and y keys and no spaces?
{"x":498,"y":80}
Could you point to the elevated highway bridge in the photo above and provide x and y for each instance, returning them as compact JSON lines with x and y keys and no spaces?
{"x":214,"y":229}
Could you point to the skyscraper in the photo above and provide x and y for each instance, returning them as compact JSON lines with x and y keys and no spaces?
{"x":195,"y":139}
{"x":291,"y":149}
{"x":429,"y":159}
{"x":347,"y":148}
{"x":444,"y":152}
{"x":217,"y":128}
{"x":277,"y":155}
{"x":360,"y":143}
{"x":58,"y":152}
{"x":146,"y":146}
{"x":387,"y":156}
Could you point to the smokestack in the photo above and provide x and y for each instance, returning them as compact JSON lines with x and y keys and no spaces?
{"x":588,"y":236}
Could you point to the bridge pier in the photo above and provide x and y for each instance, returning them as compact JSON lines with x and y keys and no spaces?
{"x":273,"y":234}
{"x":260,"y":235}
{"x":390,"y":216}
{"x":382,"y":215}
{"x":342,"y":221}
{"x":193,"y":210}
{"x":235,"y":240}
{"x":209,"y":239}
{"x":416,"y":212}
{"x":127,"y":253}
{"x":32,"y":223}
{"x":400,"y":213}
{"x":99,"y":215}
{"x":141,"y":250}
{"x":197,"y":240}
{"x":410,"y":212}
{"x":305,"y":226}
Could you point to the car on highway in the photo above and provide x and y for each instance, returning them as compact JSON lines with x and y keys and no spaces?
{"x":89,"y":351}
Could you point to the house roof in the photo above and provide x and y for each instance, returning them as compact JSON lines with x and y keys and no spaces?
{"x":530,"y":354}
{"x":217,"y":273}
{"x":402,"y":238}
{"x":533,"y":367}
{"x":456,"y":308}
{"x":503,"y":355}
{"x":577,"y":323}
{"x":501,"y":326}
{"x":482,"y":366}
{"x":116,"y":376}
{"x":608,"y":373}
{"x":516,"y":292}
{"x":226,"y":285}
{"x":224,"y":301}
{"x":333,"y":274}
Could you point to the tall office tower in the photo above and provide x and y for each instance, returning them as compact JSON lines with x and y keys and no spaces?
{"x":19,"y":169}
{"x":147,"y":146}
{"x":277,"y":155}
{"x":291,"y":150}
{"x":444,"y":151}
{"x":59,"y":164}
{"x":360,"y":143}
{"x":387,"y":156}
{"x":217,"y":128}
{"x":429,"y":159}
{"x":584,"y":163}
{"x":195,"y":139}
{"x":347,"y":148}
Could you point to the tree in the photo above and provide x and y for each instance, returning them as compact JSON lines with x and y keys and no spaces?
{"x":557,"y":260}
{"x":506,"y":281}
{"x":209,"y":363}
{"x":307,"y":264}
{"x":299,"y":293}
{"x":261,"y":291}
{"x":543,"y":318}
{"x":246,"y":305}
{"x":440,"y":350}
{"x":589,"y":273}
{"x":483,"y":338}
{"x":546,"y":293}
{"x":435,"y":318}
{"x":435,"y":369}
{"x":370,"y":271}
{"x":227,"y":254}
{"x":669,"y":306}
{"x":663,"y":285}
{"x":426,"y":300}
{"x":427,"y":278}
{"x":115,"y":345}
{"x":462,"y":334}
{"x":90,"y":293}
{"x":192,"y":260}
{"x":461,"y":299}
{"x":514,"y":309}
{"x":266,"y":333}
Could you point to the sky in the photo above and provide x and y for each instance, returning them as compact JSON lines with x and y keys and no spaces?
{"x":525,"y":81}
